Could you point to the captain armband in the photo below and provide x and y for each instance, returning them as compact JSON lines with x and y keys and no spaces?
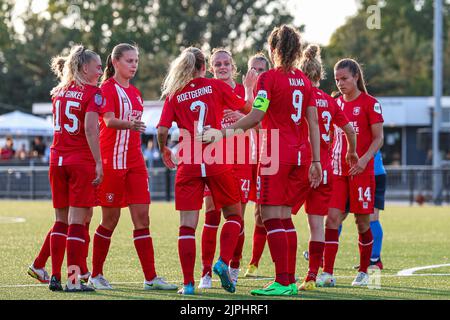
{"x":261,"y":104}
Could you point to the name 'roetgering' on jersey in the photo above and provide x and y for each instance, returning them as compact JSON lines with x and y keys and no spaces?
{"x":194,"y":94}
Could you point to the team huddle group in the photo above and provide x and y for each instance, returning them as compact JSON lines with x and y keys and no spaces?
{"x":325,"y":149}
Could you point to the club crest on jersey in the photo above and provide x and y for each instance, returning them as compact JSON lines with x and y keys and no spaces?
{"x":110,"y":197}
{"x":356,"y":111}
{"x":98,"y":99}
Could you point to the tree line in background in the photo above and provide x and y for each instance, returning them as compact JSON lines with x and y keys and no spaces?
{"x":397,"y":58}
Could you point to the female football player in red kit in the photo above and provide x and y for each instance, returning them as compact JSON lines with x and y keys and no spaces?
{"x":317,"y":200}
{"x":260,"y":64}
{"x":222,"y":66}
{"x":283,"y":104}
{"x":125,"y":182}
{"x":195,"y":102}
{"x":75,"y":161}
{"x":356,"y":184}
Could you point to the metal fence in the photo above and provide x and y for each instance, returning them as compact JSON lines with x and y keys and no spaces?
{"x":403,"y":183}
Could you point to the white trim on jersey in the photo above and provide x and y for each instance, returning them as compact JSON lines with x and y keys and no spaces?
{"x":122,"y":136}
{"x":203,"y":169}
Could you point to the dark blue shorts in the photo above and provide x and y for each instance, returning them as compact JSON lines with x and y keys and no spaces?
{"x":380,"y":190}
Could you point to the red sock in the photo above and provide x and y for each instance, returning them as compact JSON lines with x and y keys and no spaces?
{"x":330,"y":249}
{"x":186,"y":252}
{"x":237,"y":255}
{"x":75,"y":250}
{"x":58,"y":239}
{"x":259,"y":241}
{"x":209,"y":235}
{"x":291,"y":235}
{"x":144,"y":248}
{"x":84,"y":267}
{"x":44,"y":254}
{"x":102,"y":240}
{"x":229,"y":237}
{"x":278,"y":245}
{"x":365,"y":250}
{"x":315,"y":259}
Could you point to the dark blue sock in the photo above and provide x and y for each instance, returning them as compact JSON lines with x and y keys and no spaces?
{"x":377,"y":232}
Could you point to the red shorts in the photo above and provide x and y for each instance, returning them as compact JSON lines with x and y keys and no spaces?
{"x":317,"y":200}
{"x":283,"y":188}
{"x":359,"y":190}
{"x":122,"y":187}
{"x":243,"y":174}
{"x":72,"y":186}
{"x":189,"y":191}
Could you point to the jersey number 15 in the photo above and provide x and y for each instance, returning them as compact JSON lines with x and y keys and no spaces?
{"x":70,"y":105}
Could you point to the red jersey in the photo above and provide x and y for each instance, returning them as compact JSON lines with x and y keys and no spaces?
{"x":70,"y":145}
{"x":289,"y":95}
{"x":329,"y":115}
{"x":362,"y":112}
{"x":121,"y":149}
{"x":202,"y":101}
{"x":250,"y":146}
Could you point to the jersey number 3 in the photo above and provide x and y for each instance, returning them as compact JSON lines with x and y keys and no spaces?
{"x":72,"y":128}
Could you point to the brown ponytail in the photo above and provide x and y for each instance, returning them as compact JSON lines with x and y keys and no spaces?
{"x":311,"y":63}
{"x":286,"y":47}
{"x":355,"y":69}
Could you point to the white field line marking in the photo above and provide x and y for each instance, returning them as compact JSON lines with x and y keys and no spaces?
{"x":410,"y":272}
{"x":4,"y":220}
{"x":243,"y":279}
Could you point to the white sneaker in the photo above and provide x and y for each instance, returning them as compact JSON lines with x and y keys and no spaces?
{"x":159,"y":283}
{"x":361,"y":280}
{"x":84,"y":278}
{"x":39,"y":274}
{"x":205,"y":282}
{"x":234,"y":273}
{"x":325,"y":280}
{"x":99,"y":283}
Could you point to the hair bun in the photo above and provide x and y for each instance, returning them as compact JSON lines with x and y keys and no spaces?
{"x":312,"y":51}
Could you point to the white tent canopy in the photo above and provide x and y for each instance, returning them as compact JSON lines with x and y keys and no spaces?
{"x":151,"y":118}
{"x":18,"y":123}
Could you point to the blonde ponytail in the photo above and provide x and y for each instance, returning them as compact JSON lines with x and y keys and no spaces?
{"x":182,"y":70}
{"x":71,"y":70}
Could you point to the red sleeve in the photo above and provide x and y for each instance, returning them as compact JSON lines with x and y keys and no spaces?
{"x":264,"y":85}
{"x":95,"y":103}
{"x":375,"y":112}
{"x":338,"y":116}
{"x":229,"y":97}
{"x":167,"y":115}
{"x":110,"y":99}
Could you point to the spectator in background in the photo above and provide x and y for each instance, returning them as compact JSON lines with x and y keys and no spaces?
{"x":22,"y":153}
{"x":7,"y":152}
{"x":38,"y":147}
{"x":151,"y":153}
